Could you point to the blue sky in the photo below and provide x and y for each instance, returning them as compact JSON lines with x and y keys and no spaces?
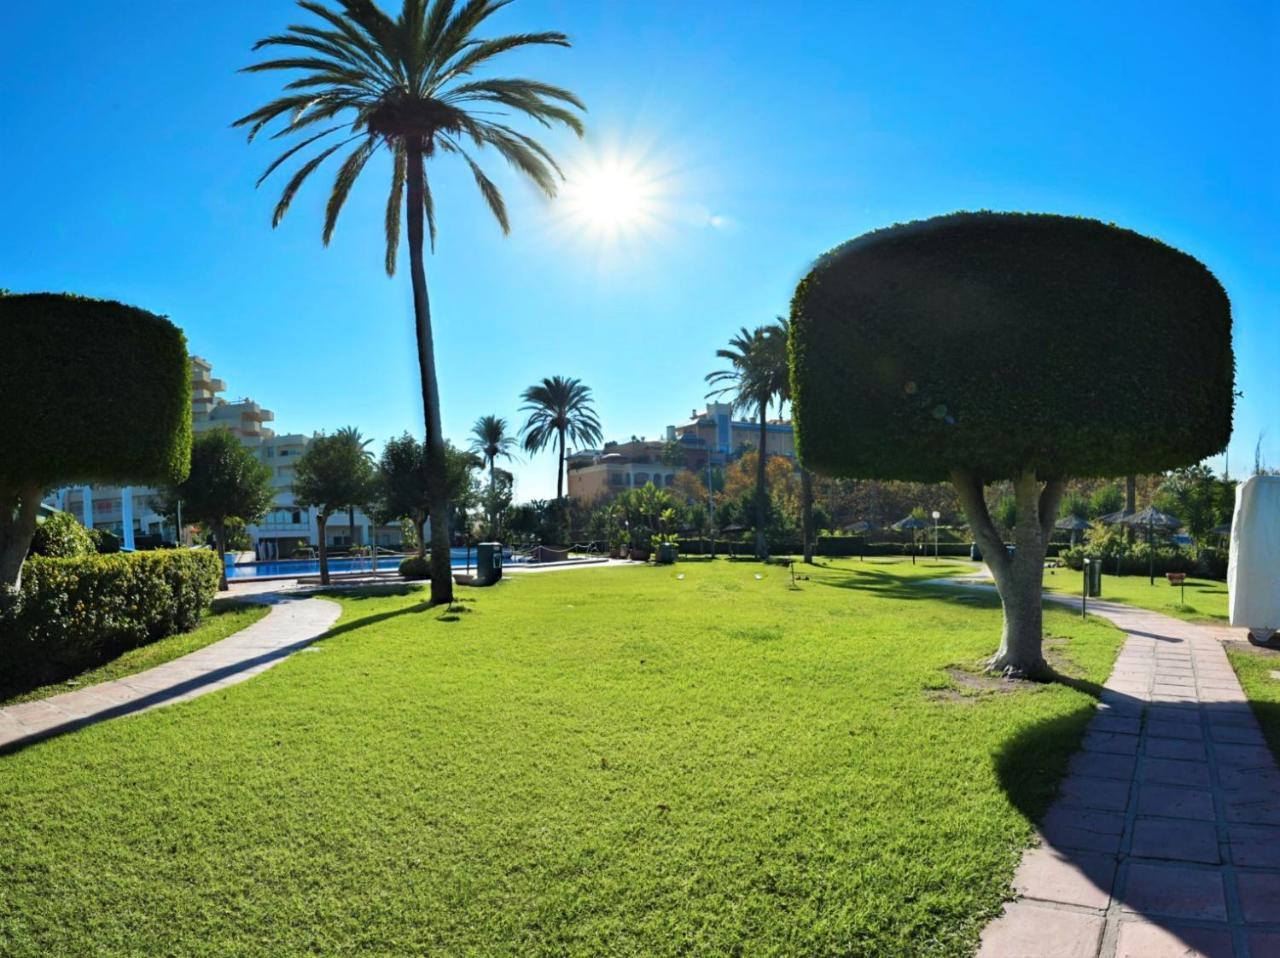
{"x":765,"y":133}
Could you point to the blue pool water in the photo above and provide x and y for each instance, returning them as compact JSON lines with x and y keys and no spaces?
{"x":301,"y":567}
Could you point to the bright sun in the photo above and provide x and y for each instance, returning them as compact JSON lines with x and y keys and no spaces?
{"x":609,"y":196}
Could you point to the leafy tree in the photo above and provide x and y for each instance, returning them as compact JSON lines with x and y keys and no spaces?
{"x":333,"y":474}
{"x":402,"y":487}
{"x":559,"y":409}
{"x":54,"y":431}
{"x":1073,"y":504}
{"x":408,"y":84}
{"x":227,"y":481}
{"x":971,"y":334}
{"x":352,"y":434}
{"x":752,"y":381}
{"x":491,"y":441}
{"x":1199,"y":498}
{"x":1106,"y":500}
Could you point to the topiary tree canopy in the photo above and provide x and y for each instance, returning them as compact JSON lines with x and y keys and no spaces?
{"x":987,"y":346}
{"x":90,"y":391}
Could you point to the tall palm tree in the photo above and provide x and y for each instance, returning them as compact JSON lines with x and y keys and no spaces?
{"x":491,"y":442}
{"x":352,"y":435}
{"x":753,"y":380}
{"x":406,"y":84}
{"x":559,"y":408}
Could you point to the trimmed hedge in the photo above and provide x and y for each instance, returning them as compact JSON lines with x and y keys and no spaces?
{"x":1005,"y":341}
{"x":1210,"y":564}
{"x":74,"y":614}
{"x":57,"y":428}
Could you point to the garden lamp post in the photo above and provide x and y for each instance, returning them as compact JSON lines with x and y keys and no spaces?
{"x":936,"y":516}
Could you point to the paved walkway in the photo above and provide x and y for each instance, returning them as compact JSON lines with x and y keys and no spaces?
{"x":1165,"y":838}
{"x":292,"y":623}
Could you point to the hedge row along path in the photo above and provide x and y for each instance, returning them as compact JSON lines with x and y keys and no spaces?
{"x":1165,"y":838}
{"x":293,"y":623}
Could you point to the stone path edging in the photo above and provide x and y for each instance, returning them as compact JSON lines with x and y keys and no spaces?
{"x":292,"y":623}
{"x":1165,"y":837}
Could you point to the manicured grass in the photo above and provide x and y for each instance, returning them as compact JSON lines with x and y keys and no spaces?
{"x":1254,"y":667}
{"x":226,"y":618}
{"x":1206,"y":599}
{"x":600,"y":761}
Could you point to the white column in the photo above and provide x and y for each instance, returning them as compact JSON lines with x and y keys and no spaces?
{"x":86,"y":513}
{"x":126,"y":515}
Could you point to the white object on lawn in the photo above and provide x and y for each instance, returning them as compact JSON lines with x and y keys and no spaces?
{"x":1253,"y":571}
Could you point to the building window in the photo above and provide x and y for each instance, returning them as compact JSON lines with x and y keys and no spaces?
{"x":641,"y":478}
{"x":297,"y":518}
{"x":270,"y":452}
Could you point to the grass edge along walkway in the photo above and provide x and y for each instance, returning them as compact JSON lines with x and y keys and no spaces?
{"x":290,"y":624}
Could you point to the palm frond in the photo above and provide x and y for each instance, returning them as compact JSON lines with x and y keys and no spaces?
{"x":394,"y":197}
{"x":492,"y":195}
{"x":291,"y":188}
{"x":477,"y":54}
{"x":347,"y":174}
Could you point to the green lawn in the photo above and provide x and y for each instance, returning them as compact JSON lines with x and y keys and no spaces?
{"x":601,"y":761}
{"x":1206,"y":599}
{"x":226,"y":618}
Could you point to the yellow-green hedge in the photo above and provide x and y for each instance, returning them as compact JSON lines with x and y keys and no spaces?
{"x":73,"y":614}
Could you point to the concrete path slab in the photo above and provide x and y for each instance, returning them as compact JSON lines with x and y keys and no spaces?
{"x":1165,"y":838}
{"x":293,"y":623}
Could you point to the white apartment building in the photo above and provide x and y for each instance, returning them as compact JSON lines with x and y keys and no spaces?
{"x":284,"y":530}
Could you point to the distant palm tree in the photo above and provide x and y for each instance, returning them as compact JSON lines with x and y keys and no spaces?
{"x":559,"y":408}
{"x":752,"y":382}
{"x":407,"y":84}
{"x":491,"y":442}
{"x":352,"y":435}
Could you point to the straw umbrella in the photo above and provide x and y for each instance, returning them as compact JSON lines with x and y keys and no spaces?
{"x":1153,"y":519}
{"x":914,"y":525}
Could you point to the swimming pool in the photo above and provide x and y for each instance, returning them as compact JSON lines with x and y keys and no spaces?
{"x":300,"y":567}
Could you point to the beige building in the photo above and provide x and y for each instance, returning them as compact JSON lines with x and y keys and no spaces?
{"x":708,"y":439}
{"x":286,"y":527}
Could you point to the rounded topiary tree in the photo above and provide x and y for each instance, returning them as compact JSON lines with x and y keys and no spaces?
{"x":986,"y":346}
{"x":90,"y":391}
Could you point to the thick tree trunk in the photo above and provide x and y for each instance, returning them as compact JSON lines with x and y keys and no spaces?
{"x":806,"y":508}
{"x":321,"y":521}
{"x":1020,"y":577}
{"x":762,"y":542}
{"x":18,"y":513}
{"x":437,"y":478}
{"x":220,"y":544}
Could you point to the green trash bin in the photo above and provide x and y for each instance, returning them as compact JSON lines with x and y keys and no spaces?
{"x":1093,"y":578}
{"x":488,"y":563}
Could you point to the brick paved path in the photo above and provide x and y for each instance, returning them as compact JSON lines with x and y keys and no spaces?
{"x":1165,"y":838}
{"x":291,"y":624}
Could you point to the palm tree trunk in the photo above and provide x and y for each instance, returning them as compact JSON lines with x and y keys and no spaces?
{"x":762,"y":545}
{"x":560,"y":470}
{"x":493,"y":503}
{"x":806,"y":510}
{"x":321,"y":520}
{"x":420,"y":524}
{"x":351,"y":529}
{"x":437,"y":480}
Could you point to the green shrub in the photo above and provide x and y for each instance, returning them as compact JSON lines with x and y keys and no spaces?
{"x":1135,"y":560}
{"x":415,"y":568}
{"x":61,"y":536}
{"x":75,"y":613}
{"x":104,"y":542}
